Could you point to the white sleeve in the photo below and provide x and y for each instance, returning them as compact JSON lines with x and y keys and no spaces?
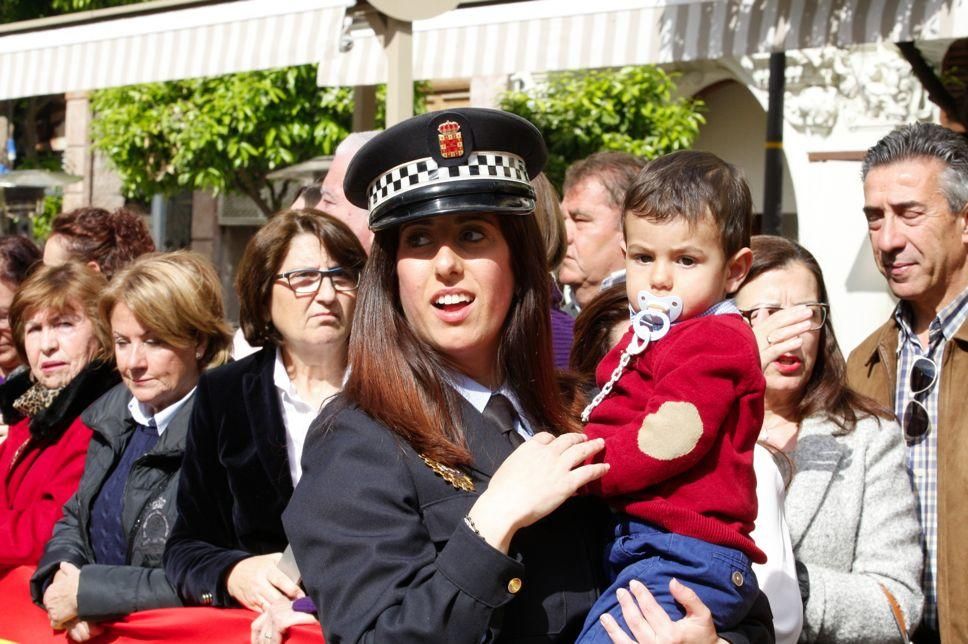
{"x":777,"y":577}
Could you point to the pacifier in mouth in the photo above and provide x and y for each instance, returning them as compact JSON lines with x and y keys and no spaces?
{"x":669,"y":305}
{"x":654,"y":318}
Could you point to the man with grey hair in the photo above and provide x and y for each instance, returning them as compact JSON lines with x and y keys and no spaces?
{"x":328,"y":195}
{"x":594,"y":195}
{"x":916,"y":204}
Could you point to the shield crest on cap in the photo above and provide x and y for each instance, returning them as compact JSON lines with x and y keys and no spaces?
{"x":450,"y":139}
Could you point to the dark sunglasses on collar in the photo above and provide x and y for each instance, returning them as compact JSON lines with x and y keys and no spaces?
{"x":917,"y":422}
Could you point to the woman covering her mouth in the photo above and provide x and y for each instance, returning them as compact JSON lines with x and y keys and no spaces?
{"x":850,"y":506}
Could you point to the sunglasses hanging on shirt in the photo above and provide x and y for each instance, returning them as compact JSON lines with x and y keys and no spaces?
{"x":917,"y":422}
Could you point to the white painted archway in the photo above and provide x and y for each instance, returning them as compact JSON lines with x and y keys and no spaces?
{"x":735,"y":130}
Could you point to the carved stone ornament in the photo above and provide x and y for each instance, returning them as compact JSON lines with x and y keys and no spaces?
{"x":858,"y":87}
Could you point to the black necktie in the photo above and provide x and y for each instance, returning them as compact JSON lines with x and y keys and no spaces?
{"x":500,"y":414}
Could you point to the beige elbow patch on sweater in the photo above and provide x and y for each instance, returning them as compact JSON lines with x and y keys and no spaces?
{"x":670,"y":432}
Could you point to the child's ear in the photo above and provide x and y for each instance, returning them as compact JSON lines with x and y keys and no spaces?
{"x":624,"y":248}
{"x":737,"y":268}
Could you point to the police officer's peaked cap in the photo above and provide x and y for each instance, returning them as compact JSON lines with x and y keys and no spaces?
{"x":459,"y":160}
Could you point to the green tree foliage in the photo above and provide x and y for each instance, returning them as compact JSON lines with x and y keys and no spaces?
{"x":40,"y":223}
{"x":68,"y":6}
{"x":15,"y":10}
{"x":224,"y":133}
{"x":633,"y":109}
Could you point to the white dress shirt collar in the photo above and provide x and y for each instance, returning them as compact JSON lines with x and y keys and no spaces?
{"x":477,"y":395}
{"x":297,"y":416}
{"x":143,"y":416}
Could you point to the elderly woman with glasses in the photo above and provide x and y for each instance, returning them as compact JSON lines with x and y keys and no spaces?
{"x":297,"y":289}
{"x":849,"y":506}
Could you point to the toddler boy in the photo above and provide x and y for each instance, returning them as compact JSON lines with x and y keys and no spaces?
{"x":682,"y":396}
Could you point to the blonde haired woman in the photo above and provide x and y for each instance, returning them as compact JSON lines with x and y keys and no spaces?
{"x":164,"y":317}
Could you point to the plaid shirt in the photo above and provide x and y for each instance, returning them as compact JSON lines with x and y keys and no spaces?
{"x":923,"y":454}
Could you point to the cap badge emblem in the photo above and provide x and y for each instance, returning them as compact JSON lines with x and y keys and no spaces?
{"x":451,"y":140}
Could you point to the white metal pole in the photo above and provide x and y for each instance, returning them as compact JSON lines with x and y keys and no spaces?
{"x":398,"y":44}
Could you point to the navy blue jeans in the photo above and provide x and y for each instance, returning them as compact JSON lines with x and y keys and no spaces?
{"x":722,"y":577}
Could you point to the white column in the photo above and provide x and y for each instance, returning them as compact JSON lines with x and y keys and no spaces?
{"x":77,"y":153}
{"x":398,"y":45}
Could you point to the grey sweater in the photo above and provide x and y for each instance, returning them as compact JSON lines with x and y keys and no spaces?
{"x":851,"y":512}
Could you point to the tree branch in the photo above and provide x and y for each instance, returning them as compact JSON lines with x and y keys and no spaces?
{"x":277,"y":192}
{"x":251,"y":189}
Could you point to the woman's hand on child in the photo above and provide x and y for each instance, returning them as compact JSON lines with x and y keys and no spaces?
{"x":650,"y":624}
{"x":532,"y":482}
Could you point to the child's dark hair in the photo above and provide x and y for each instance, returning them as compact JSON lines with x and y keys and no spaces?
{"x":692,"y":184}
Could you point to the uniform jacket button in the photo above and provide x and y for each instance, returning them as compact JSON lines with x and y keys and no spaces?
{"x":514,"y":585}
{"x":738,"y":578}
{"x":206,"y":599}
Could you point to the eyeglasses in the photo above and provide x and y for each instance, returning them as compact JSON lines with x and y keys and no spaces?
{"x":304,"y":281}
{"x":917,"y":422}
{"x":817,"y":319}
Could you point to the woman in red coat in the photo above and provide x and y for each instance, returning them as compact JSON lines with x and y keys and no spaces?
{"x":42,"y":459}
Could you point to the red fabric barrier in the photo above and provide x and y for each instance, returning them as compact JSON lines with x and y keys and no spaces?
{"x":21,"y":621}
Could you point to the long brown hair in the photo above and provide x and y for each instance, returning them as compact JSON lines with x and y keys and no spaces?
{"x":551,"y":223}
{"x":593,"y":330}
{"x":398,"y":379}
{"x":827,"y":391}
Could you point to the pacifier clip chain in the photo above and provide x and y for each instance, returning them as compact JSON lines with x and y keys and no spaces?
{"x":652,"y":322}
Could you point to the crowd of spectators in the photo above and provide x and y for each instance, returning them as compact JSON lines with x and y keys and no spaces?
{"x":397,"y":453}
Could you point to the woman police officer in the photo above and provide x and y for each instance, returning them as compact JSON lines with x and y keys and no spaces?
{"x":438,"y":498}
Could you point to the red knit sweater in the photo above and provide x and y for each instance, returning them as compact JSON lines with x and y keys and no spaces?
{"x":679,"y":429}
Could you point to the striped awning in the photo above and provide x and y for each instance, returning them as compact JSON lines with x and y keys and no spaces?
{"x":550,"y":35}
{"x":186,"y":43}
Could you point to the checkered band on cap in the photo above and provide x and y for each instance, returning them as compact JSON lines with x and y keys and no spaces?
{"x":423,"y":172}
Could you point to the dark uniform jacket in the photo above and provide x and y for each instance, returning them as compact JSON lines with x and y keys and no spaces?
{"x":235,"y":480}
{"x":149,"y":512}
{"x":385,"y":554}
